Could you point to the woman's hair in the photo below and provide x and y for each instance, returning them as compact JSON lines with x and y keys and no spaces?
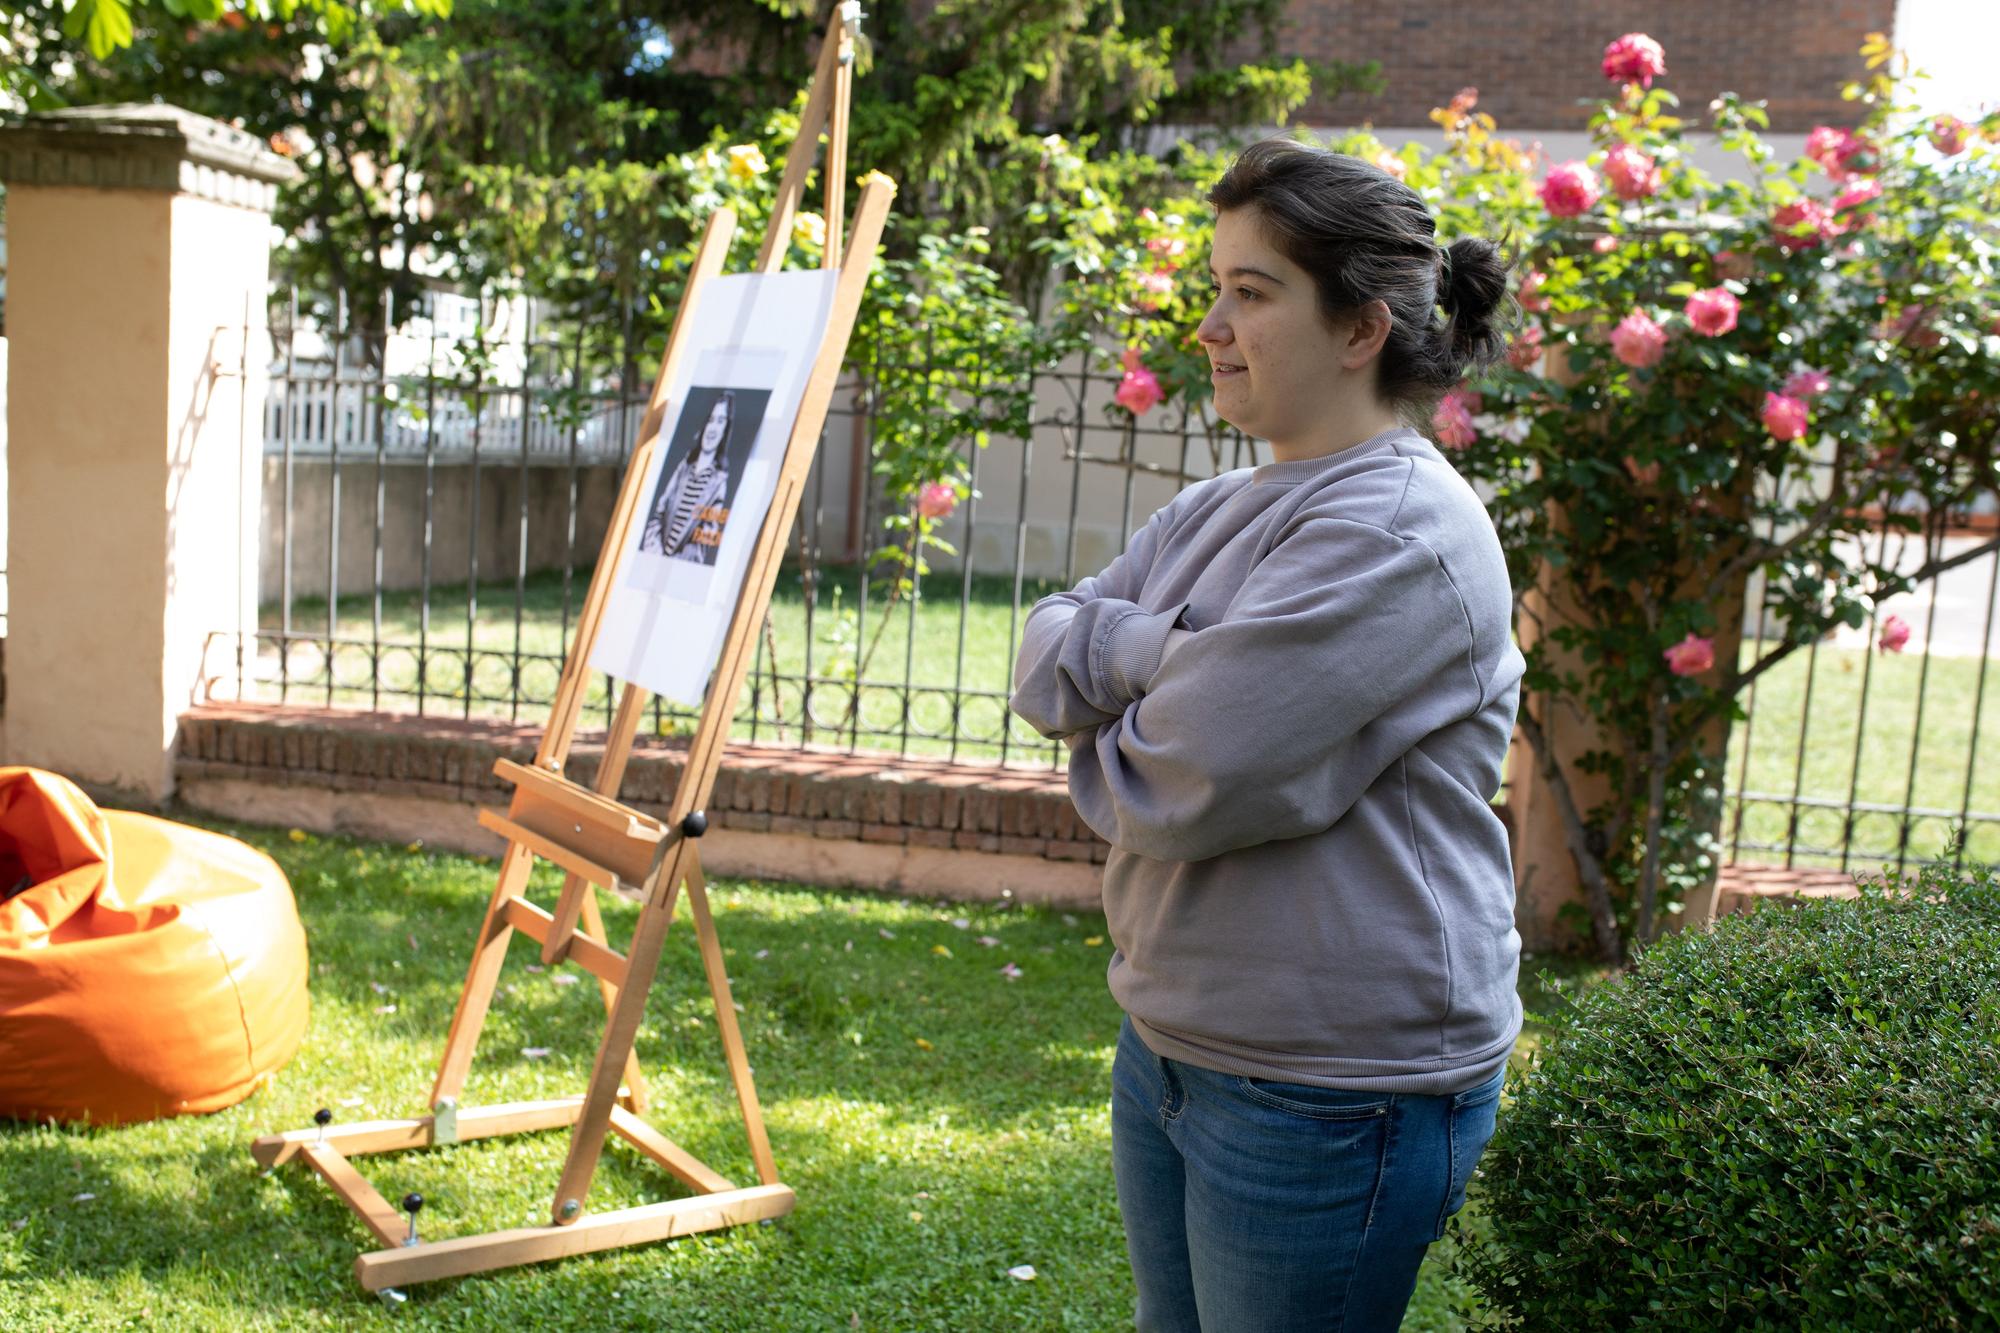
{"x":727,"y":402}
{"x":1365,"y":236}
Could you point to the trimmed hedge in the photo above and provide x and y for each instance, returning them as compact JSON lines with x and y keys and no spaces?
{"x":1791,"y":1121}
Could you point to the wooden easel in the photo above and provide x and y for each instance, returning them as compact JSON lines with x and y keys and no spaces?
{"x":599,"y":841}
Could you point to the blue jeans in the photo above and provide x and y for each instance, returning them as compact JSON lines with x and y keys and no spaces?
{"x":1251,"y":1205}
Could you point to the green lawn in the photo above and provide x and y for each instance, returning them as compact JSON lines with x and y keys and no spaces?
{"x":946,"y":653}
{"x":973,"y":652}
{"x":1827,"y":769}
{"x":940,"y":1122}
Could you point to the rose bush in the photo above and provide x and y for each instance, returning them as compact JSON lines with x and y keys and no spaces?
{"x":1714,"y":380}
{"x":1744,"y":378}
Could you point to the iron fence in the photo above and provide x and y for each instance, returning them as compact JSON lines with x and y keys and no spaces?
{"x":449,"y":582}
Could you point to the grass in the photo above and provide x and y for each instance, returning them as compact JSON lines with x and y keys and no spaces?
{"x":1825,"y":767}
{"x":945,"y":651}
{"x":938,"y":650}
{"x":940,"y":1123}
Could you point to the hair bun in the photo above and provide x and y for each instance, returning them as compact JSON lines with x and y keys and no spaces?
{"x":1474,"y":290}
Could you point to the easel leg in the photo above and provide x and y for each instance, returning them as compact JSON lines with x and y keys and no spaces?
{"x":484,"y":974}
{"x":725,"y":1020}
{"x":593,"y":926}
{"x":642,"y":960}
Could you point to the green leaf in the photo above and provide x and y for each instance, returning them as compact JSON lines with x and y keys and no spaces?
{"x":104,"y":25}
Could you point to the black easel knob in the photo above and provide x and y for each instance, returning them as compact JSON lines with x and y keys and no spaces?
{"x":322,"y":1117}
{"x":695,"y":824}
{"x":411,"y":1203}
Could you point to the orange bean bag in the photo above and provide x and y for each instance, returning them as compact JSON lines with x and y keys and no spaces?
{"x":147,"y":968}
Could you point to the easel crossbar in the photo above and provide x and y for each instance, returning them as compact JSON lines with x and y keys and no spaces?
{"x":408,"y":1264}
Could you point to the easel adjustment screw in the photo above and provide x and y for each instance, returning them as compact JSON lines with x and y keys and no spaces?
{"x":695,"y":824}
{"x":322,"y":1118}
{"x":570,"y":1210}
{"x":412,"y":1204}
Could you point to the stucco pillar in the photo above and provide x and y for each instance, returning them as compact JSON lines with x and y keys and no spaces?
{"x":139,"y":264}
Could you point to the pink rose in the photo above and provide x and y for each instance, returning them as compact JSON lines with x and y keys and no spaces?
{"x":1802,"y":224}
{"x":1691,"y":656}
{"x":1783,"y":416}
{"x":1806,"y":383}
{"x":1171,"y":247}
{"x":1634,"y":58}
{"x":1531,"y":297}
{"x":1604,"y":245}
{"x":1712,"y":312}
{"x":1823,"y":145}
{"x":1525,"y":351}
{"x":1156,"y":285}
{"x":1569,"y":189}
{"x":1139,"y":392}
{"x":1392,"y":164}
{"x":936,"y":500}
{"x":1861,"y":192}
{"x":1453,"y":419}
{"x":1638,"y":341}
{"x":1948,"y":135}
{"x":1632,"y":174}
{"x":1148,"y":215}
{"x":1895,"y":633}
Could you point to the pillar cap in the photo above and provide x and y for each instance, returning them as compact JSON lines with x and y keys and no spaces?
{"x":140,"y":146}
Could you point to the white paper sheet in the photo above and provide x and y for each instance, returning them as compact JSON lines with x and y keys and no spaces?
{"x":711,"y":482}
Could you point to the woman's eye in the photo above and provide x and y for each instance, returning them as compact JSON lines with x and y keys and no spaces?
{"x":1248,"y":294}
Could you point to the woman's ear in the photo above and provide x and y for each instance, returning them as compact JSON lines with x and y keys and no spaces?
{"x":1367,"y":329}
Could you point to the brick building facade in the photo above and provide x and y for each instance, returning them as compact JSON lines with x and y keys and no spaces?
{"x":1535,"y":61}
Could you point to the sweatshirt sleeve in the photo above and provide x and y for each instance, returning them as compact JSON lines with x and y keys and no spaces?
{"x":1346,"y":646}
{"x":1088,"y":653}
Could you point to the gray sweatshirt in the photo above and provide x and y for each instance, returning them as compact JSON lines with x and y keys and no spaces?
{"x":1307,"y":881}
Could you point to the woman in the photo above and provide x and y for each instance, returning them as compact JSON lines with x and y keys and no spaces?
{"x":1287,"y":704}
{"x":686,"y":522}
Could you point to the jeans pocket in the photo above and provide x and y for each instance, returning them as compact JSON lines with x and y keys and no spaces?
{"x":1313,"y":1103}
{"x":1470,"y":1125}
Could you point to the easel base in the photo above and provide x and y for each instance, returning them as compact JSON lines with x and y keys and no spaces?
{"x":719,"y":1203}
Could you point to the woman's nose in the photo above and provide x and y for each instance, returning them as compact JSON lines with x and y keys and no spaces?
{"x":1212,"y":330}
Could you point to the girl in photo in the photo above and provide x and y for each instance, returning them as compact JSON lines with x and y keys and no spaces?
{"x":686,"y":522}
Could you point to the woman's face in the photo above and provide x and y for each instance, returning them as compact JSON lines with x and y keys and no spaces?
{"x":714,"y":428}
{"x":1280,"y":373}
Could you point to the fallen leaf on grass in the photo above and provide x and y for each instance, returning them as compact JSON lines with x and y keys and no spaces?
{"x":989,"y":941}
{"x":536,"y":967}
{"x":1011,"y":972}
{"x":885,"y":933}
{"x":916,"y":1216}
{"x":297,"y":835}
{"x":385,"y":1008}
{"x":961,"y":923}
{"x":923,"y":1045}
{"x":941,"y":951}
{"x":83,"y":1198}
{"x":1022,"y":1272}
{"x":563,"y":979}
{"x":1092,"y":941}
{"x":350,"y":1102}
{"x":761,"y":953}
{"x":536,"y":1052}
{"x":378,"y":988}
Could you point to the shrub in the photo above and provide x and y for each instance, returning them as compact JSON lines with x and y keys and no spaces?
{"x":1790,"y":1121}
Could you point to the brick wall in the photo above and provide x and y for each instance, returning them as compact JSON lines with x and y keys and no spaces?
{"x":868,"y":798}
{"x":1533,"y":59}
